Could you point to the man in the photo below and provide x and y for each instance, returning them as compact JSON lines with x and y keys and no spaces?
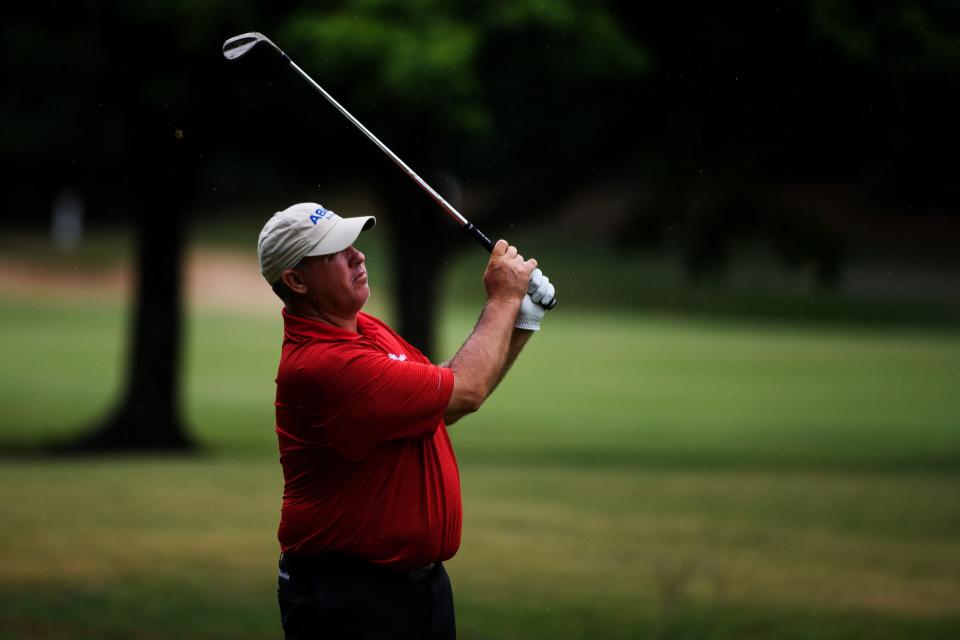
{"x":371,"y":502}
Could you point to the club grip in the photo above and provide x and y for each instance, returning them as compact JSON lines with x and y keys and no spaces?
{"x":480,"y":237}
{"x":487,"y":244}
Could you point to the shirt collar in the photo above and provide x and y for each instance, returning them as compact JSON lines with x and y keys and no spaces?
{"x":295,"y":326}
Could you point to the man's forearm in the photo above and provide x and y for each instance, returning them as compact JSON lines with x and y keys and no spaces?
{"x":484,"y":358}
{"x":518,"y":340}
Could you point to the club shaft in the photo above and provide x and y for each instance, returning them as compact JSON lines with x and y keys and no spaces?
{"x":446,"y":206}
{"x":478,"y":235}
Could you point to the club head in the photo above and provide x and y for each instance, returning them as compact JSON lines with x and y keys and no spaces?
{"x":239,"y":45}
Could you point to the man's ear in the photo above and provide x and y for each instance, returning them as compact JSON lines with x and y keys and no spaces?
{"x":291,"y":278}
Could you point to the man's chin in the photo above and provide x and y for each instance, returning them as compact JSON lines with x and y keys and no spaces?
{"x":364,"y":294}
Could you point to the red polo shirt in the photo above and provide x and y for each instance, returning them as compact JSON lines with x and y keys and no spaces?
{"x":368,"y":466}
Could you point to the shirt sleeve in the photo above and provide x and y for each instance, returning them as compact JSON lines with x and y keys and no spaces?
{"x":371,"y":399}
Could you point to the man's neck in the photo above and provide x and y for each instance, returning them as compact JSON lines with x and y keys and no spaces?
{"x":343,"y":322}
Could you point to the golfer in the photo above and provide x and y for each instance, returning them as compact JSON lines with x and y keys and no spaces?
{"x":371,"y":499}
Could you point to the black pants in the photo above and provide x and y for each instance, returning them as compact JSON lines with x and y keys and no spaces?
{"x":337,"y":597}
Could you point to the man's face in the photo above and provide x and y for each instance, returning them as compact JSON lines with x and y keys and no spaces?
{"x":337,"y":283}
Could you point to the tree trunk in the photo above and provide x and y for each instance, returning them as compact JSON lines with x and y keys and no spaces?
{"x":148,"y":416}
{"x":420,"y":242}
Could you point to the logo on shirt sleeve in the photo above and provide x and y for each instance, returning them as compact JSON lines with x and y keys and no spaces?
{"x":394,"y":356}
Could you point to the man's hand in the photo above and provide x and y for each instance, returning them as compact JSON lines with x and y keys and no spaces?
{"x":539,"y":294}
{"x":507,"y":275}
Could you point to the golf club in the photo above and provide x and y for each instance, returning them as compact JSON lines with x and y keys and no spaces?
{"x":238,"y":46}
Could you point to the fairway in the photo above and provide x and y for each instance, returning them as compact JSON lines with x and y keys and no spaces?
{"x":159,"y":547}
{"x":637,"y":476}
{"x":621,"y":389}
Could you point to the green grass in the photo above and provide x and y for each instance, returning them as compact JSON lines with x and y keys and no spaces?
{"x":158,"y":547}
{"x":637,"y":476}
{"x":593,"y":389}
{"x":638,"y":390}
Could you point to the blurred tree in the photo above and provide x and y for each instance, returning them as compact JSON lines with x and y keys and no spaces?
{"x":712,"y":110}
{"x":107,"y":101}
{"x":903,"y":58}
{"x":138,"y":111}
{"x":144,"y":100}
{"x":521,"y":92}
{"x":743,"y":103}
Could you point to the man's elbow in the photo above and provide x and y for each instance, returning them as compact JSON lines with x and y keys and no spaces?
{"x":459,"y":407}
{"x":473,"y":400}
{"x":468,"y":396}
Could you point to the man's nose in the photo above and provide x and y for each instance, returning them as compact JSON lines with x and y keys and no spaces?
{"x":356,"y":256}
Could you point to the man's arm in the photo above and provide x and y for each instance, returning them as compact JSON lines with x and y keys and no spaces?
{"x":518,"y":341}
{"x":539,"y":294}
{"x":494,"y":344}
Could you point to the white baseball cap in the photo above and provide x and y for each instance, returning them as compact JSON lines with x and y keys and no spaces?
{"x":305,"y":229}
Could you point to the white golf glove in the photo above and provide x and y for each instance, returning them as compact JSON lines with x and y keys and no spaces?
{"x":539,"y":294}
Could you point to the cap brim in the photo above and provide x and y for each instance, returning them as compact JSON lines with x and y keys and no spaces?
{"x":343,"y":234}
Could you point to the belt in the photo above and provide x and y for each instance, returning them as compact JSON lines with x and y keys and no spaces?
{"x":329,"y":561}
{"x":421,"y":572}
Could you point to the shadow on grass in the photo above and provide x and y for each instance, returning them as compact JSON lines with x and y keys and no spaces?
{"x":74,"y":448}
